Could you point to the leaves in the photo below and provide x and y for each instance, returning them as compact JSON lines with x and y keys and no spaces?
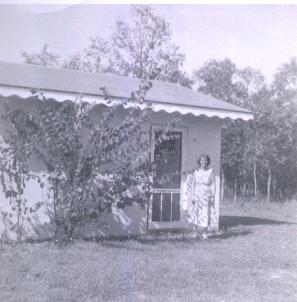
{"x":269,"y":141}
{"x":45,"y":57}
{"x":142,"y":48}
{"x":92,"y":155}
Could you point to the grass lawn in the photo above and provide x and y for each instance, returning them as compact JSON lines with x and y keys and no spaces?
{"x":254,"y":258}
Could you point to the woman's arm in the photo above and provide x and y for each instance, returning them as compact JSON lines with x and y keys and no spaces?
{"x":213,"y":184}
{"x":193,"y":186}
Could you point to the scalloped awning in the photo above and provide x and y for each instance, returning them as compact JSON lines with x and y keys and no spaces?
{"x":61,"y":97}
{"x":63,"y":84}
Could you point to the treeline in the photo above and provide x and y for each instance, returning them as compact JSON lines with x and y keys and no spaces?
{"x":259,"y":157}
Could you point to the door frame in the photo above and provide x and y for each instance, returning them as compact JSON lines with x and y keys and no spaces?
{"x":159,"y":225}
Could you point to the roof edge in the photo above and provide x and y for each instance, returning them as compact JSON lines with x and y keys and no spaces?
{"x":51,"y":91}
{"x":99,"y":99}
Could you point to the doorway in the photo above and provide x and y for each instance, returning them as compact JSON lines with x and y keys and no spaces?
{"x":164,"y":209}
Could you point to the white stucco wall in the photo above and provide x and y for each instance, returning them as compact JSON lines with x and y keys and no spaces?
{"x":200,"y":135}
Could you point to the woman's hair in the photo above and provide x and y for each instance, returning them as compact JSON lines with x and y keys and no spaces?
{"x":206,"y":156}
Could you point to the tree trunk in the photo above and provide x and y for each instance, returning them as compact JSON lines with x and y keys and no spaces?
{"x":244,"y":189}
{"x":269,"y":184}
{"x":222,"y":187}
{"x":235,"y":191}
{"x":255,"y":180}
{"x":281,"y":195}
{"x":273,"y":192}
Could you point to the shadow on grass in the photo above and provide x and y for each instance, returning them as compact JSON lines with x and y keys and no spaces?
{"x":155,"y":238}
{"x":121,"y":244}
{"x":124,"y":242}
{"x":233,"y":221}
{"x":226,"y":230}
{"x":230,"y":234}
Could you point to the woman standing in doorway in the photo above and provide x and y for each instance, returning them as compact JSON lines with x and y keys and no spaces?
{"x":203,"y":193}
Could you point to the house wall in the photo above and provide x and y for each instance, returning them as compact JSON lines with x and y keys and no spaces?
{"x":200,"y":135}
{"x":39,"y":225}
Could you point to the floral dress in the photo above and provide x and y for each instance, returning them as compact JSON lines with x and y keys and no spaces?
{"x":200,"y":195}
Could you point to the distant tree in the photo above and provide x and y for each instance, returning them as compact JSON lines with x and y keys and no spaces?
{"x":262,"y":152}
{"x":143,"y":45}
{"x":272,"y":139}
{"x":74,"y":62}
{"x":223,"y":80}
{"x":217,"y":79}
{"x":262,"y":144}
{"x":139,"y":48}
{"x":45,"y":57}
{"x":252,"y":80}
{"x":94,"y":58}
{"x":284,"y":117}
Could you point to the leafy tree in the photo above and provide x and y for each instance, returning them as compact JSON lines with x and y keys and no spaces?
{"x":140,"y":47}
{"x":216,"y":78}
{"x":254,"y":95}
{"x":252,"y":81}
{"x":74,"y":62}
{"x":15,"y":172}
{"x":261,"y":152}
{"x":93,"y":161}
{"x":223,"y":80}
{"x":144,"y":45}
{"x":284,"y":91}
{"x":94,"y":58}
{"x":45,"y":57}
{"x":274,"y":133}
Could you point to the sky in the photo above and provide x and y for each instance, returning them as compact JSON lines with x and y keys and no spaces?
{"x":259,"y":36}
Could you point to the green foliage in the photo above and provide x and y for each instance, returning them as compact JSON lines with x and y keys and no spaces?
{"x":94,"y":58}
{"x":261,"y":154}
{"x":140,"y":47}
{"x":45,"y":57}
{"x":216,"y":78}
{"x":143,"y":45}
{"x":15,"y":173}
{"x":258,"y":156}
{"x":96,"y":158}
{"x":222,"y":80}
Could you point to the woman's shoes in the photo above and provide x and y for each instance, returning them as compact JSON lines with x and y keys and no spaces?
{"x":194,"y":235}
{"x":204,"y":236}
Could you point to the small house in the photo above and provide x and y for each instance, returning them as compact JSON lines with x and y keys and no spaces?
{"x":199,"y":133}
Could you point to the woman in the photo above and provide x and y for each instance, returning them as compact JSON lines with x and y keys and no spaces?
{"x":202,"y":195}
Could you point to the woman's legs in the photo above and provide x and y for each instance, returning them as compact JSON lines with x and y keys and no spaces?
{"x":196,"y":228}
{"x":204,"y":233}
{"x":203,"y":217}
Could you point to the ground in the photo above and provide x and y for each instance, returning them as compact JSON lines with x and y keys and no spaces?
{"x":253,"y":258}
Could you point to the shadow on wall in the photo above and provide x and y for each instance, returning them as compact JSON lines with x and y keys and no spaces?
{"x":130,"y":221}
{"x":41,"y":229}
{"x":120,"y":222}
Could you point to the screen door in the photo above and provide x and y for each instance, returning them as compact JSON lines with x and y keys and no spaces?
{"x":165,"y":199}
